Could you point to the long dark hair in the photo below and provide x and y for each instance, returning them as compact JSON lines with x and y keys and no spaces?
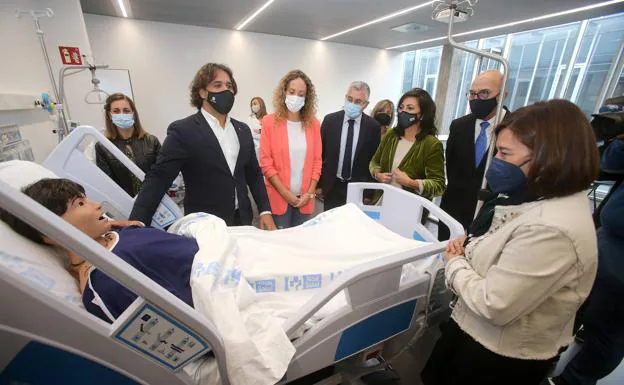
{"x":427,"y":113}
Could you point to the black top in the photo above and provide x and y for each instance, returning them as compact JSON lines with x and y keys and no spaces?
{"x":192,"y":148}
{"x":142,"y":152}
{"x":368,"y":141}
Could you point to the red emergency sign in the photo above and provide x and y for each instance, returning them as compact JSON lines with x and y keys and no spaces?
{"x":70,"y":55}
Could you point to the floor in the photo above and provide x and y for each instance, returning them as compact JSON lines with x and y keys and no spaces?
{"x":409,"y":365}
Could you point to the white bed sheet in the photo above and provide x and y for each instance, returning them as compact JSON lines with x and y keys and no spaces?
{"x":286,"y":268}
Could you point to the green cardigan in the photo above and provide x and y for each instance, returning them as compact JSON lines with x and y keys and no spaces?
{"x":424,"y":161}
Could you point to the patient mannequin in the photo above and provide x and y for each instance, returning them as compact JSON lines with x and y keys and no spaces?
{"x":163,"y":257}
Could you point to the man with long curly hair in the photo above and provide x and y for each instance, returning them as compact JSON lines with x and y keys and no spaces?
{"x":215,"y":154}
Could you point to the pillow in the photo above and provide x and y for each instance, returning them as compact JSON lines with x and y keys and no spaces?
{"x":42,"y":266}
{"x":20,"y":173}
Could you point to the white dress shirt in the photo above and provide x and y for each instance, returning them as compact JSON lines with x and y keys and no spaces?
{"x":343,"y":141}
{"x":490,"y":129}
{"x":297,"y":147}
{"x":228,"y":140}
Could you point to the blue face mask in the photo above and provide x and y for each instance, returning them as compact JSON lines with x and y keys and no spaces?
{"x":505,"y":178}
{"x":123,"y":121}
{"x":352,"y":110}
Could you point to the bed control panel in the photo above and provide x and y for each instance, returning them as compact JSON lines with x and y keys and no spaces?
{"x":153,"y":333}
{"x":163,"y":217}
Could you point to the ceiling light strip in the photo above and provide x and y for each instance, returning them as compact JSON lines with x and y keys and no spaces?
{"x":122,"y":7}
{"x":253,"y":15}
{"x":514,"y":23}
{"x":379,"y":20}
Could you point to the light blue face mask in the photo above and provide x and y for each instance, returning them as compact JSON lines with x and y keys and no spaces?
{"x":123,"y":121}
{"x":352,"y":110}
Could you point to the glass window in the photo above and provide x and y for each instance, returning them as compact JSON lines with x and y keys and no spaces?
{"x":537,"y":60}
{"x":543,"y":65}
{"x":619,"y":87}
{"x":424,"y":69}
{"x":408,"y":70}
{"x":465,"y":62}
{"x":602,"y":36}
{"x":492,"y":45}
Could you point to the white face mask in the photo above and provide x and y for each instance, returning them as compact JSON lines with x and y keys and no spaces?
{"x":294,"y":103}
{"x":255,"y":108}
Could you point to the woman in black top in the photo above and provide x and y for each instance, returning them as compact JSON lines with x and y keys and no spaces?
{"x":123,"y":128}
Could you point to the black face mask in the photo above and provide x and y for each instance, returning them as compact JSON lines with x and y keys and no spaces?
{"x":221,"y":101}
{"x":405,"y":119}
{"x":482,"y":108}
{"x":383,"y":118}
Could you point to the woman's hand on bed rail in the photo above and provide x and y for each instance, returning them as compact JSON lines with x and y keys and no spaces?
{"x":454,"y":248}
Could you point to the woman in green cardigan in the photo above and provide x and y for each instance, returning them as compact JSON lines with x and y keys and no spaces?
{"x":410,"y":156}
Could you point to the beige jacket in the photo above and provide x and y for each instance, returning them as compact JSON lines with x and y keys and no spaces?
{"x":521,"y":283}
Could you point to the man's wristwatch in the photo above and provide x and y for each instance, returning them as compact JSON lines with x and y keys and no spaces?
{"x":312,"y":195}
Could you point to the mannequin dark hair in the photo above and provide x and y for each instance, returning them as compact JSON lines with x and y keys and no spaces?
{"x":427,"y":113}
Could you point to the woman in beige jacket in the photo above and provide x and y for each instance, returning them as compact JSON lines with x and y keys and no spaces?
{"x":531,"y":256}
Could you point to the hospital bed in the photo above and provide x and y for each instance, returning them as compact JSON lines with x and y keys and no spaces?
{"x":47,"y":337}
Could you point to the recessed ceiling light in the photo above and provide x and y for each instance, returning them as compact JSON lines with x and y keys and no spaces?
{"x":253,"y":15}
{"x":122,"y":7}
{"x":514,"y":23}
{"x":379,"y":20}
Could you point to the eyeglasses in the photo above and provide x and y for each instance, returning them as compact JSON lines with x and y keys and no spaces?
{"x":481,"y":94}
{"x":359,"y":102}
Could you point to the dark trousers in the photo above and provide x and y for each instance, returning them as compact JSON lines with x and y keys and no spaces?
{"x":237,"y":218}
{"x":458,"y":359}
{"x":336,"y":196}
{"x":603,"y":324}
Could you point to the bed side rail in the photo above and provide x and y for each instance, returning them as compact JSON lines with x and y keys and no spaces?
{"x":363,"y":283}
{"x":402,"y":211}
{"x":68,"y":161}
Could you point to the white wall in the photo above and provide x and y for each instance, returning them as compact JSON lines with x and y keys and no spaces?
{"x":163,"y":58}
{"x":22,"y":68}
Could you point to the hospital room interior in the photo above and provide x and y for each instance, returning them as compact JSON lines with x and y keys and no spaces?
{"x":326,"y":192}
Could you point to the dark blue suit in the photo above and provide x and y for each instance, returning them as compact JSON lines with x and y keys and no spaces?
{"x":192,"y":148}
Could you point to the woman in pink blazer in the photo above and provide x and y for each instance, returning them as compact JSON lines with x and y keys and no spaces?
{"x":290,"y":150}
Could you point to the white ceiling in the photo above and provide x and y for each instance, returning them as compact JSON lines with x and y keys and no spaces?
{"x":314,"y":19}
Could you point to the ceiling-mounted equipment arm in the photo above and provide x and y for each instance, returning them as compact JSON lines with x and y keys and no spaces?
{"x":466,"y":8}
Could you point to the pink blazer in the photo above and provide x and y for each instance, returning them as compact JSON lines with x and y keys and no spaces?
{"x":275,"y":160}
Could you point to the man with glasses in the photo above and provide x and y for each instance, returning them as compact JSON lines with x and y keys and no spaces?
{"x":350,"y":139}
{"x":467,"y":147}
{"x":215,"y":154}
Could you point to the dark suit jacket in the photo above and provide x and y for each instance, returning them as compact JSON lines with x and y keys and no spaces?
{"x":192,"y":147}
{"x":464,"y":179}
{"x":368,"y":141}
